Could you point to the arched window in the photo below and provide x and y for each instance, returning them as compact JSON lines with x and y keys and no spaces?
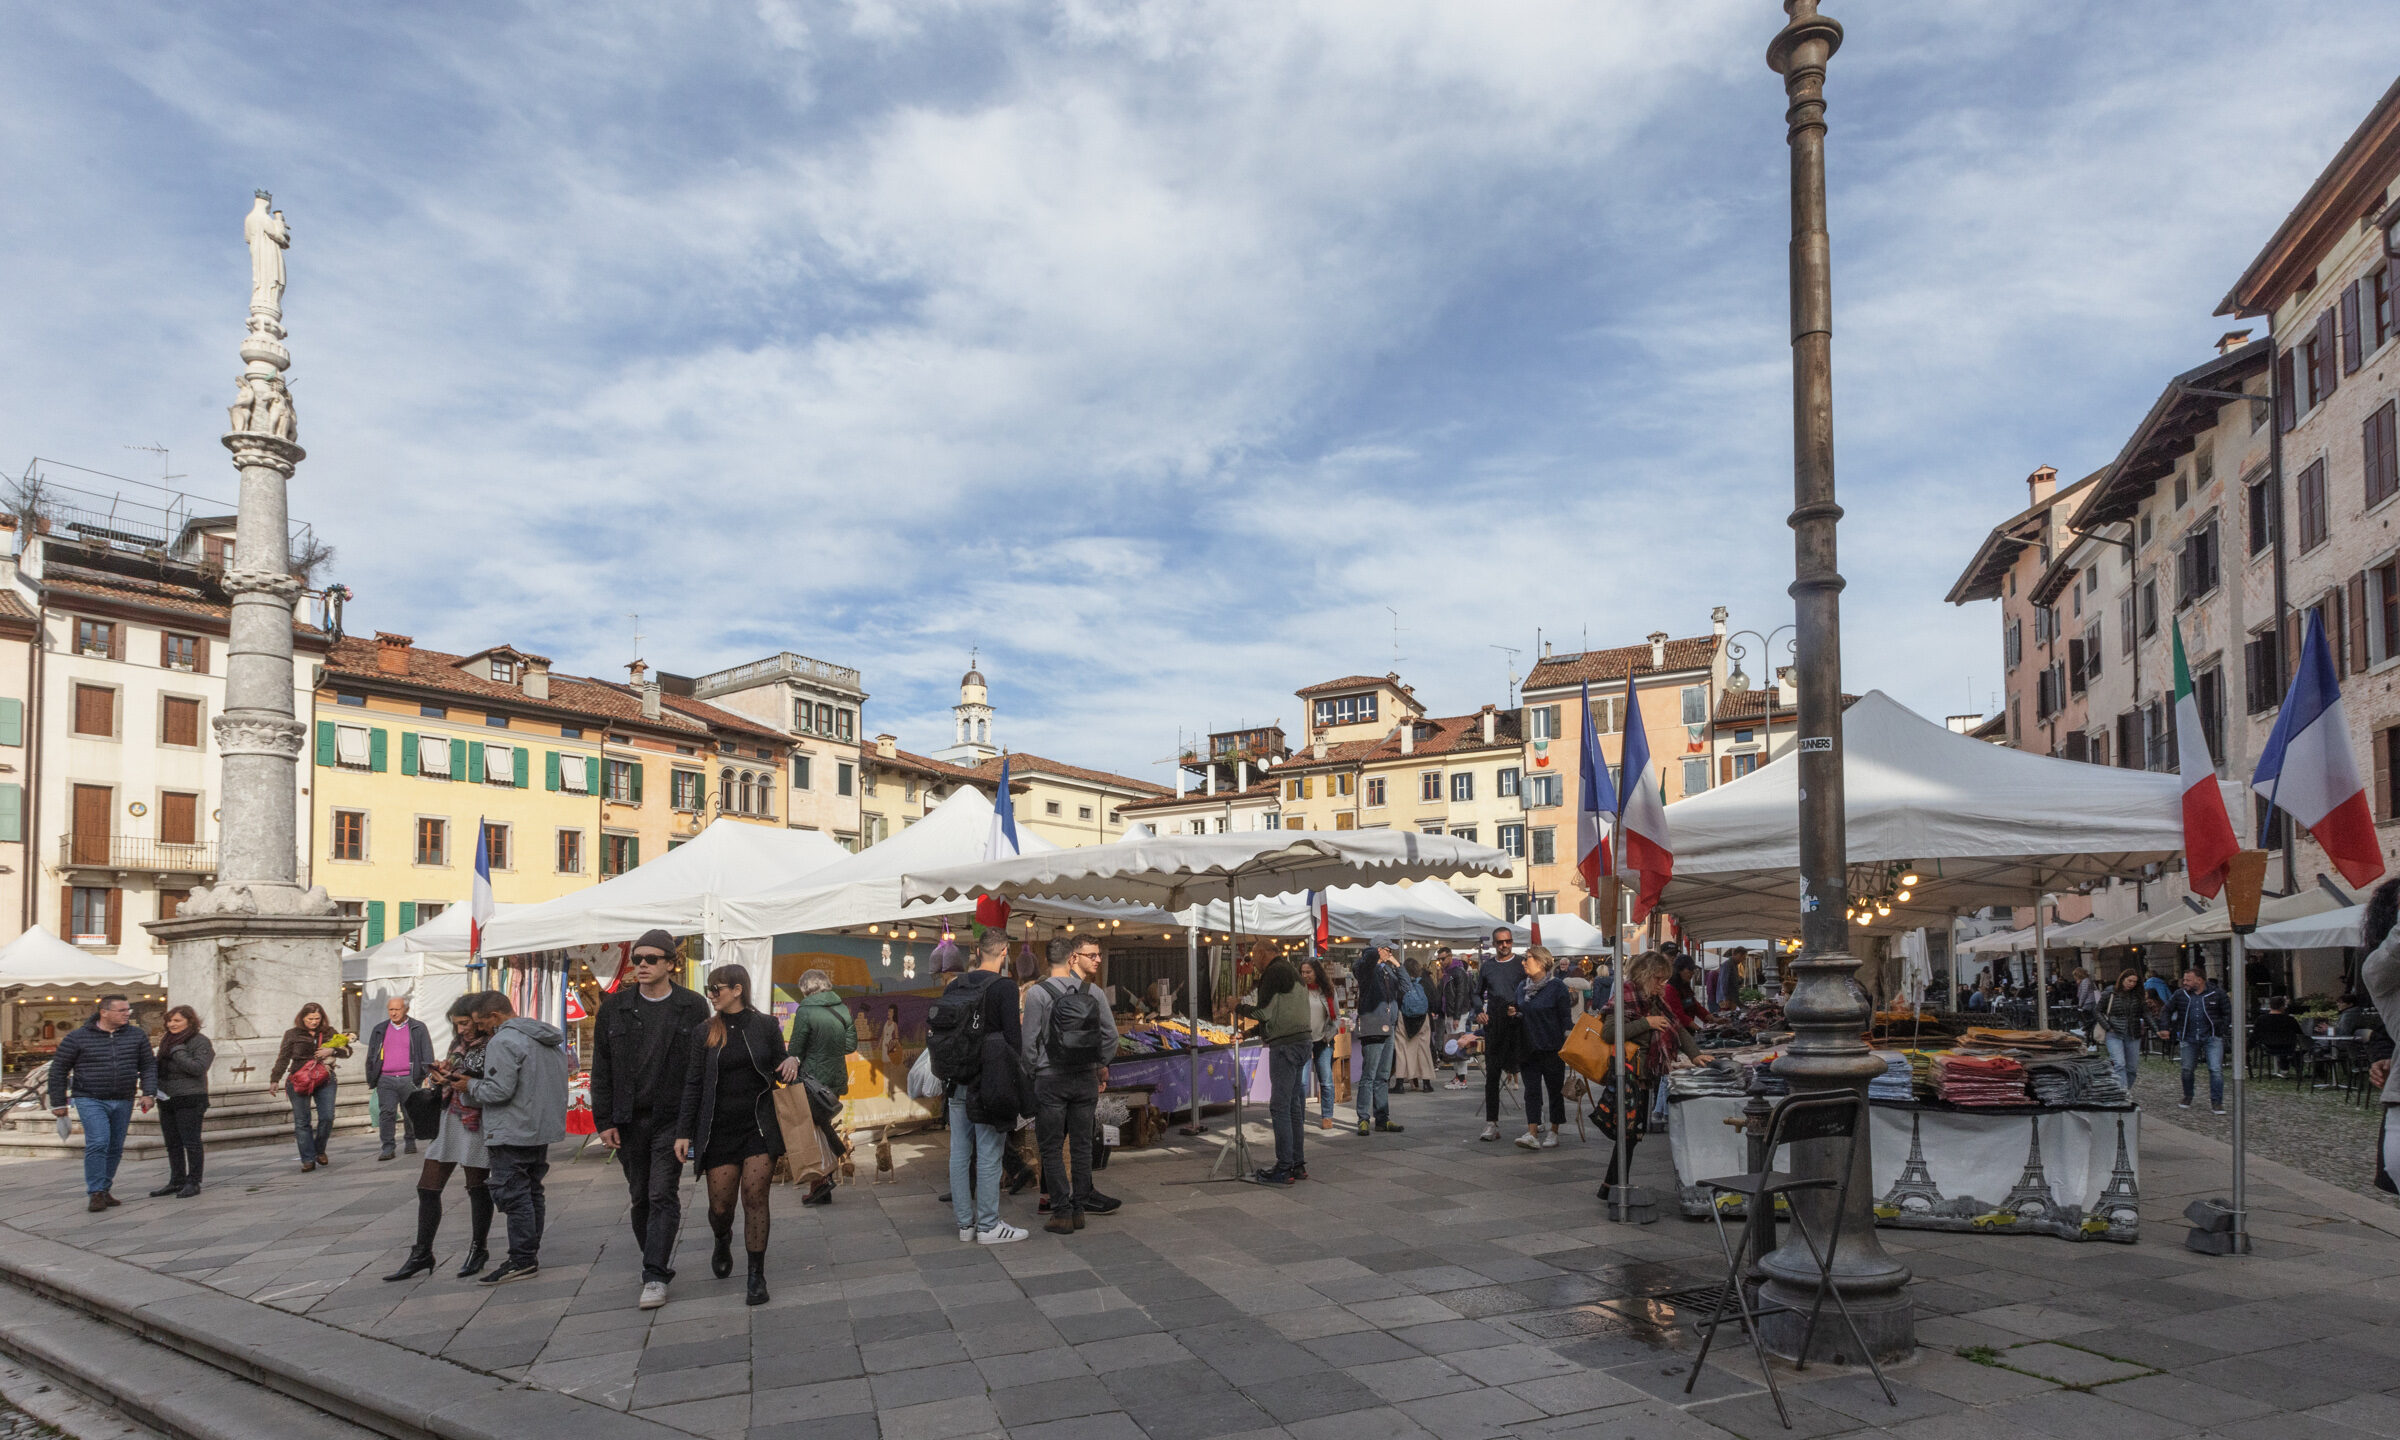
{"x":725,"y":791}
{"x":766,"y":795}
{"x":983,"y":731}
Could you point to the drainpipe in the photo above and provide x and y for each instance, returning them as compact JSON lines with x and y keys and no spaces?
{"x":2283,"y":661}
{"x":33,"y":759}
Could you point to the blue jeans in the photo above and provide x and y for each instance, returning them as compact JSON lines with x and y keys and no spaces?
{"x":976,"y":1204}
{"x":1320,"y":1069}
{"x":313,"y":1136}
{"x":1287,"y":1101}
{"x":1373,"y":1094}
{"x":2216,"y":1069}
{"x":104,"y":1125}
{"x":2126,"y":1050}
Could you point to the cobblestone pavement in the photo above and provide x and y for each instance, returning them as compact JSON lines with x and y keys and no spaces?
{"x":2316,"y":1132}
{"x":1421,"y":1285}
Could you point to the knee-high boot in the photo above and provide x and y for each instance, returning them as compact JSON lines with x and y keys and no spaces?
{"x":479,"y":1219}
{"x":429,"y":1224}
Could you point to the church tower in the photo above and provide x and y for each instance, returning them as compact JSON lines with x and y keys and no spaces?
{"x":971,"y":718}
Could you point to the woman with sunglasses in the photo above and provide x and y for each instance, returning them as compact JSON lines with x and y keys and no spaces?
{"x":727,"y":1127}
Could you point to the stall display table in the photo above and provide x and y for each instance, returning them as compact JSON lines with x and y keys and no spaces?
{"x":2073,"y":1173}
{"x":1168,"y":1075}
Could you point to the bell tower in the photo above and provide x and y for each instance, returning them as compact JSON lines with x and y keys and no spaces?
{"x":971,"y":738}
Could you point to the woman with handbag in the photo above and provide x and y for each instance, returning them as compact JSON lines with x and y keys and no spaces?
{"x":1324,"y":1022}
{"x":2124,"y":1016}
{"x":728,"y":1127}
{"x":1546,"y":1010}
{"x":823,"y":1037}
{"x":309,"y":1049}
{"x":457,"y":1143}
{"x":184,"y":1058}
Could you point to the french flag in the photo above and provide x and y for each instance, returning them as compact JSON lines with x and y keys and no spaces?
{"x":1320,"y":913}
{"x":1642,"y":814}
{"x":1003,"y":839}
{"x":1598,"y":799}
{"x":480,"y":908}
{"x":2307,"y":769}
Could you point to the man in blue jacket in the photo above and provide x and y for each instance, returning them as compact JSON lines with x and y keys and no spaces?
{"x":2200,"y":1017}
{"x":108,"y":1062}
{"x":399,"y":1052}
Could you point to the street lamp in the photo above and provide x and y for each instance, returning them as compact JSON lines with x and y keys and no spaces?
{"x":1828,"y":1011}
{"x":1766,"y":653}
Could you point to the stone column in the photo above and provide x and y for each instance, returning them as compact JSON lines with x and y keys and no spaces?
{"x":249,"y":952}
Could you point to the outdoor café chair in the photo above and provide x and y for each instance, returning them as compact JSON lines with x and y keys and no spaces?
{"x":1837,"y":1115}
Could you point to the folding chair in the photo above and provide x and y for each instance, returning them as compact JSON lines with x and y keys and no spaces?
{"x":1817,"y":1115}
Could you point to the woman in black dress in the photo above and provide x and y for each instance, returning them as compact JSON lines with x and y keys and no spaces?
{"x":727,"y":1127}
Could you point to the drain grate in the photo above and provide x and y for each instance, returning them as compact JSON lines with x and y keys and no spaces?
{"x":1695,"y":1305}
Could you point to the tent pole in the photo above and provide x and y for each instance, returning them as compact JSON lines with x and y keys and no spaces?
{"x":1619,"y":1193}
{"x":1191,"y":958}
{"x":2236,"y":1066}
{"x":2041,"y":967}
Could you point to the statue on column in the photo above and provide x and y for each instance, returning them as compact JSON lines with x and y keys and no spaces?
{"x":265,"y":232}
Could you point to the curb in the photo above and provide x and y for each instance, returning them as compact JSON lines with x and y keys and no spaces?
{"x":377,"y":1386}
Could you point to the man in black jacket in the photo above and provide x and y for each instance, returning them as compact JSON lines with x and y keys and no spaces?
{"x":399,"y":1052}
{"x":1496,"y":982}
{"x":110,"y":1063}
{"x":641,"y":1047}
{"x":976,"y":1147}
{"x":2199,"y":1017}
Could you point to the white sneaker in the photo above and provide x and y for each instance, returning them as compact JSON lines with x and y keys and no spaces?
{"x":654,"y":1294}
{"x":966,"y":1234}
{"x":1458,"y":1082}
{"x":1491,"y":1130}
{"x":1529,"y":1141}
{"x":1550,"y":1138}
{"x":1000,"y":1234}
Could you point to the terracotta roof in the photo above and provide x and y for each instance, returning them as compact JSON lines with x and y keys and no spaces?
{"x":1749,"y":706}
{"x":2356,"y":177}
{"x":2165,"y":435}
{"x":715,"y":717}
{"x":1451,"y":735}
{"x":1594,"y":666}
{"x":1024,"y":763}
{"x":357,"y":660}
{"x":72,"y":581}
{"x":1999,"y":550}
{"x":12,"y":608}
{"x":901,"y":759}
{"x":1263,"y":790}
{"x":1347,"y":682}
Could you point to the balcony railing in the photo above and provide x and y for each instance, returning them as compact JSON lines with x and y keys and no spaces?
{"x":135,"y":852}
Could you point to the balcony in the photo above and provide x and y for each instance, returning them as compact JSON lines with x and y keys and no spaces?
{"x":134,"y":852}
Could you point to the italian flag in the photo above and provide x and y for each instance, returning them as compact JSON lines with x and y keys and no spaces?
{"x":2208,"y":842}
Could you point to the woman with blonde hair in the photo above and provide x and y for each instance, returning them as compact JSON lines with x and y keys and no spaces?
{"x":1546,"y":1010}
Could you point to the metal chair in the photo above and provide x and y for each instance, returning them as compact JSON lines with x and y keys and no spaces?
{"x":1816,"y":1115}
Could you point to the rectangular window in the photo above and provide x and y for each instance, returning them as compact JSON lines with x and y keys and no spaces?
{"x":1429,"y":786}
{"x":2383,"y":612}
{"x":570,"y":852}
{"x":2287,"y":407}
{"x":1049,"y":807}
{"x":351,"y":748}
{"x":1505,"y":782}
{"x":1339,"y":784}
{"x":179,"y":721}
{"x":619,"y":853}
{"x":95,"y":710}
{"x":1744,"y":763}
{"x":496,"y":722}
{"x":2262,"y":685}
{"x":179,"y":652}
{"x":1345,"y":820}
{"x":499,"y":765}
{"x":1084,"y":812}
{"x":570,"y":732}
{"x":2125,"y":625}
{"x":1695,"y":704}
{"x":349,"y":834}
{"x":804,"y":717}
{"x":495,"y":846}
{"x":1463,"y":832}
{"x":96,"y":638}
{"x":2381,"y":455}
{"x":1541,"y":722}
{"x":1695,"y":775}
{"x":801,"y":770}
{"x":1375,"y":793}
{"x":433,"y":757}
{"x":622,"y":783}
{"x":2149,"y":608}
{"x":574,"y":775}
{"x":1347,"y":709}
{"x":179,"y":817}
{"x":2379,"y":305}
{"x":845,"y":724}
{"x":2091,"y":651}
{"x":686,"y":786}
{"x":1512,"y":840}
{"x":2012,"y":644}
{"x":842,"y":778}
{"x":1462,"y":785}
{"x":1542,"y":791}
{"x":2208,"y":688}
{"x":2262,"y":514}
{"x":433,"y":840}
{"x":2313,"y":527}
{"x":1545,"y":844}
{"x":93,"y":915}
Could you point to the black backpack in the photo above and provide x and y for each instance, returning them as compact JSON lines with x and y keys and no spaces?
{"x":954,"y":1029}
{"x":1075,"y":1040}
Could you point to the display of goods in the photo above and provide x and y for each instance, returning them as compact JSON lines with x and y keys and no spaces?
{"x":2053,"y":1042}
{"x":1979,"y":1080}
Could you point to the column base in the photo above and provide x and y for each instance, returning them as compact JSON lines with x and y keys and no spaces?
{"x":247,"y":975}
{"x":1887,"y":1321}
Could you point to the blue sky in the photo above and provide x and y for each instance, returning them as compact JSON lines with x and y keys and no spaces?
{"x":1156,"y":349}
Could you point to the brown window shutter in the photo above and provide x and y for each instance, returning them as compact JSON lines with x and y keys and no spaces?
{"x":2358,"y":621}
{"x":200,"y":655}
{"x":116,"y":915}
{"x":66,"y":912}
{"x":2337,"y":630}
{"x":163,"y":642}
{"x":2287,"y":412}
{"x":2382,"y":799}
{"x":2353,"y":350}
{"x":116,"y":640}
{"x":2326,"y":366}
{"x":1724,"y":769}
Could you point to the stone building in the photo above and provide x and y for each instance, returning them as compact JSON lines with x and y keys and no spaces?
{"x":821,"y":707}
{"x":2042,"y":702}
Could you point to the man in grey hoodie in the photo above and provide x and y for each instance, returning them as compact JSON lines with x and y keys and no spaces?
{"x":523,"y":1095}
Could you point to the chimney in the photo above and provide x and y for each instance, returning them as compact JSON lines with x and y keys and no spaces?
{"x":537,"y":681}
{"x":2231,"y":341}
{"x":1716,"y":621}
{"x":1408,"y":737}
{"x":1241,"y":771}
{"x":1491,"y":723}
{"x":1787,"y":689}
{"x":1658,"y":649}
{"x":650,"y":705}
{"x":1545,"y":649}
{"x":637,"y":670}
{"x":1183,"y":780}
{"x":1212,"y":779}
{"x":1318,"y":744}
{"x":391,"y":652}
{"x":2042,"y":483}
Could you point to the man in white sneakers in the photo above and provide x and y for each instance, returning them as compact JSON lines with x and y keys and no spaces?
{"x":974,"y":1036}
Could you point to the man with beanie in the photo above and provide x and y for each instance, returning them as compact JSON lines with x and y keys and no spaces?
{"x":522,"y":1094}
{"x":1285,"y":1028}
{"x":1496,"y":983}
{"x":641,"y":1047}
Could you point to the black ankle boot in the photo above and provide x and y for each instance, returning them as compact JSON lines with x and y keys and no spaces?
{"x":419,"y":1262}
{"x":479,"y":1221}
{"x":757,"y":1294}
{"x":720,"y":1260}
{"x":429,"y":1224}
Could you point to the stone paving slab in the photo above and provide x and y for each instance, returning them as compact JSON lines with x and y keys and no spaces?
{"x":1420,"y":1284}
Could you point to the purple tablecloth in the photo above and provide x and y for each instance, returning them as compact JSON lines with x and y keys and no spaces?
{"x":1170,"y":1076}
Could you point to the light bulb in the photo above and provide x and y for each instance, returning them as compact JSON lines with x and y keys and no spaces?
{"x":1909,"y":878}
{"x":1903,"y":897}
{"x":1883,"y":909}
{"x":871,"y":930}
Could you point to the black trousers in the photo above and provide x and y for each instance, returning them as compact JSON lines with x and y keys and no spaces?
{"x":654,"y":1181}
{"x":1543,"y":1069}
{"x":1503,"y":1050}
{"x":1063,"y":1119}
{"x":516,"y":1186}
{"x":179,"y":1123}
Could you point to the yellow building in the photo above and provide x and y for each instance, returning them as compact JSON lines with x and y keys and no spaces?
{"x":569,"y":780}
{"x":896,"y":787}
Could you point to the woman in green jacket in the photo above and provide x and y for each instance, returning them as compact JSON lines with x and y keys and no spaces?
{"x":823,"y":1036}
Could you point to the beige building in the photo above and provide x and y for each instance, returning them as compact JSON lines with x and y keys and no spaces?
{"x":820,"y":707}
{"x":896,"y":787}
{"x":2042,"y":701}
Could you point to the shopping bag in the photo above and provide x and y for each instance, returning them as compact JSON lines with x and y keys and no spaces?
{"x":807,"y":1158}
{"x":922,"y":1083}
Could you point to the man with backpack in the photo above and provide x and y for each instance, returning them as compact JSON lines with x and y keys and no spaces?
{"x":975,"y":1009}
{"x":1069,"y":1035}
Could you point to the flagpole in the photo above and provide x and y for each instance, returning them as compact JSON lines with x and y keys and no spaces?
{"x":2239,"y":954}
{"x":1616,"y":942}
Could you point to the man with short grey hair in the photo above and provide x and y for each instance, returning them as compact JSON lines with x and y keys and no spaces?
{"x":399,"y":1052}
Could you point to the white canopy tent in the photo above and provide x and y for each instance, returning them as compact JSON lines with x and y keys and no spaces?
{"x":682,"y":892}
{"x":1562,"y":934}
{"x":1426,"y":910}
{"x":427,"y":966}
{"x":2180,"y":924}
{"x":38,"y":957}
{"x":2325,"y":931}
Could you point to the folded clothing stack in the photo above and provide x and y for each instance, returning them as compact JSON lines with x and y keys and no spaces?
{"x":2075,"y":1080}
{"x":1921,"y":1077}
{"x":2041,"y":1042}
{"x":1895,"y":1081}
{"x":1717,"y":1077}
{"x":1979,"y":1080}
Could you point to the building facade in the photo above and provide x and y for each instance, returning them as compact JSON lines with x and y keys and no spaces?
{"x":2042,"y":698}
{"x":821,"y":707}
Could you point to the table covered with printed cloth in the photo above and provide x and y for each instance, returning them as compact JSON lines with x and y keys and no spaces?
{"x":1169,"y":1076}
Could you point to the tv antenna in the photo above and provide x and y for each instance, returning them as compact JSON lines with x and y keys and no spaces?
{"x":1397,"y":657}
{"x":1513,"y":652}
{"x":161,"y":452}
{"x":637,"y":634}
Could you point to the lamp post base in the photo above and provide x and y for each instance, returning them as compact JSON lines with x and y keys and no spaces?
{"x":1887,"y":1322}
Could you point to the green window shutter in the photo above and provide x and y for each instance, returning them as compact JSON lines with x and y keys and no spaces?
{"x":518,"y":775}
{"x":550,"y":770}
{"x":408,"y":752}
{"x":633,"y":843}
{"x":325,"y":743}
{"x":379,"y":757}
{"x":408,"y":916}
{"x":374,"y":922}
{"x":458,"y":759}
{"x":12,"y":812}
{"x":636,"y":791}
{"x":474,"y":775}
{"x":12,"y":722}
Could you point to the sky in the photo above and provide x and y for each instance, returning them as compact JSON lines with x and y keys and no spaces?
{"x":1171,"y":356}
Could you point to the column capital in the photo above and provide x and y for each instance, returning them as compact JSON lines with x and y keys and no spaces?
{"x":242,"y":581}
{"x":274,"y":735}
